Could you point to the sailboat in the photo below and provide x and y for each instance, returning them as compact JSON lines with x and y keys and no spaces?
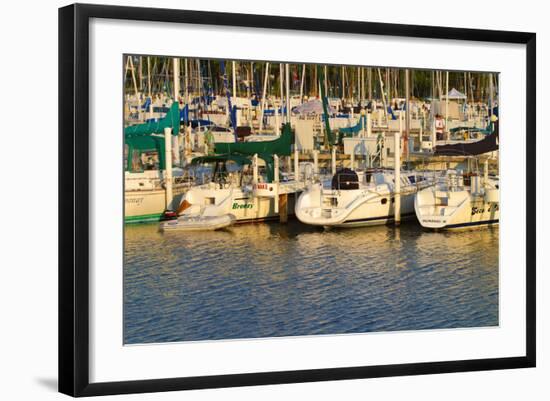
{"x":145,"y":179}
{"x":360,"y":198}
{"x":246,"y":186}
{"x":462,"y":199}
{"x":459,"y":200}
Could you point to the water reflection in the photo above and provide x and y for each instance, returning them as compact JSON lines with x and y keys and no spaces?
{"x":260,"y":280}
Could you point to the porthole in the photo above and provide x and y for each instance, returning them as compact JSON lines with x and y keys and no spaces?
{"x":384,"y":201}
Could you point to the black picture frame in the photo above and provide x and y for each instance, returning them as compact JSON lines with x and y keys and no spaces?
{"x":74,"y":198}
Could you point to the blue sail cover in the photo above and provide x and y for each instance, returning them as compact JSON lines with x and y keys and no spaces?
{"x":356,"y":128}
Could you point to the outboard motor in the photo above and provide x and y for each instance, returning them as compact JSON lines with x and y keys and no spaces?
{"x":345,"y":179}
{"x":169,"y":215}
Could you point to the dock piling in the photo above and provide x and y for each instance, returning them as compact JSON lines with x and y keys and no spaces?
{"x":397,"y":162}
{"x":283,"y":208}
{"x":168,"y":166}
{"x":333,"y":160}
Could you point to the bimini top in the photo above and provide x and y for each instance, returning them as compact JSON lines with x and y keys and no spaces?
{"x":239,"y":159}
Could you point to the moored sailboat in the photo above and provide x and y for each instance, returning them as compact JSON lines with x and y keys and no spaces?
{"x":459,"y":200}
{"x":246,"y":186}
{"x":360,"y":198}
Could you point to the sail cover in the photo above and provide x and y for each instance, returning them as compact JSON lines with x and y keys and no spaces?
{"x":487,"y":144}
{"x":279,"y":146}
{"x":170,"y":120}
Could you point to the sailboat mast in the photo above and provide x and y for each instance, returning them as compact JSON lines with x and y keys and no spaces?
{"x":186,"y":83}
{"x":234,"y":80}
{"x":446,"y":99}
{"x":149,"y":76}
{"x":263,"y":96}
{"x":491,"y":100}
{"x":302,"y":82}
{"x":407,"y":113}
{"x":176,"y":79}
{"x":343,"y":83}
{"x":382,"y":91}
{"x":132,"y":69}
{"x":281,"y":84}
{"x":325,"y":81}
{"x":287,"y":81}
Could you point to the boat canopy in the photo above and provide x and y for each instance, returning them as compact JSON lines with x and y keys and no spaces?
{"x":145,"y":143}
{"x":241,"y":160}
{"x":269,"y":166}
{"x":150,"y":136}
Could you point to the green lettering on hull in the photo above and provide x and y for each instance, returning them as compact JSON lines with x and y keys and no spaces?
{"x":242,"y":206}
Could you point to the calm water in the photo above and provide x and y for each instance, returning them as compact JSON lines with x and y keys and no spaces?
{"x":266,"y":280}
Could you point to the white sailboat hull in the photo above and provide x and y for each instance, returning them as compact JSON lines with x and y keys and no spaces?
{"x":142,"y":206}
{"x":449,"y":210}
{"x":370,"y":204}
{"x":241,"y":204}
{"x":144,"y":197}
{"x":359,"y":208}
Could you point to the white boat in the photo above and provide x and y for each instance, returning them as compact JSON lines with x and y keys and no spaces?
{"x":199,"y":223}
{"x":359,"y":198}
{"x":145,"y":194}
{"x":237,"y":191}
{"x":459,"y":200}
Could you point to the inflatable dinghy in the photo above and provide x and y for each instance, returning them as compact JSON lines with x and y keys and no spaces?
{"x":198,"y":223}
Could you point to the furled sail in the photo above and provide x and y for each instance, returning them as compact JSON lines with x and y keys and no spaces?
{"x":279,"y":146}
{"x":170,"y":120}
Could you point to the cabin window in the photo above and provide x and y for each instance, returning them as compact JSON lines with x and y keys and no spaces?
{"x":209,"y":201}
{"x":392,"y":200}
{"x":384,"y":201}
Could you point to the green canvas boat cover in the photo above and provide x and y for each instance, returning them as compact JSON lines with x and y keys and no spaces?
{"x":269,"y":166}
{"x":279,"y":146}
{"x":170,"y":120}
{"x":150,"y":136}
{"x":146,"y":143}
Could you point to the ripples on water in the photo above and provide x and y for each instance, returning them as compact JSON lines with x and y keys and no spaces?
{"x":268,"y":280}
